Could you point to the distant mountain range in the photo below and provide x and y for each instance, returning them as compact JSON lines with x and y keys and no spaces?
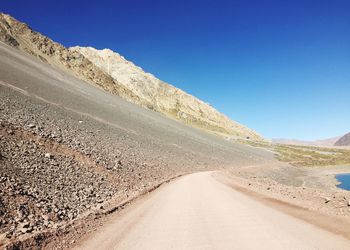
{"x":334,"y":141}
{"x":324,"y":142}
{"x":116,"y":75}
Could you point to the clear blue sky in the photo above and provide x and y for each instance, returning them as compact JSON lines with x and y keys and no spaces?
{"x":279,"y":67}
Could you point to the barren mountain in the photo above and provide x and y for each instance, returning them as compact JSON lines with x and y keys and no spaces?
{"x":343,"y":141}
{"x":114,"y":74}
{"x":21,"y":36}
{"x":70,"y":151}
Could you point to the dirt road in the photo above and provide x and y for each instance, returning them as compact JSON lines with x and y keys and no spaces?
{"x":198,"y":212}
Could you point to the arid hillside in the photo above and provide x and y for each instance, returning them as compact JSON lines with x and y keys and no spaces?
{"x":116,"y":75}
{"x":343,"y":141}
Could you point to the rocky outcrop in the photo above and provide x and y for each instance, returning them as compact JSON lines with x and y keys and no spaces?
{"x":114,"y":74}
{"x":343,"y":141}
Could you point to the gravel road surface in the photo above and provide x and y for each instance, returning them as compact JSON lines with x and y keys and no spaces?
{"x":198,"y":212}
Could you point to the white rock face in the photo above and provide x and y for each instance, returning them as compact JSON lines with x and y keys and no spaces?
{"x":162,"y":97}
{"x":134,"y":78}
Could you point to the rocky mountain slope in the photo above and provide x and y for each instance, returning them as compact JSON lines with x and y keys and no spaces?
{"x":71,"y":152}
{"x":21,"y":36}
{"x":343,"y":141}
{"x":114,"y":74}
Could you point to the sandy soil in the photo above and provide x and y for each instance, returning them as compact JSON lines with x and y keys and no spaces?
{"x":313,"y":189}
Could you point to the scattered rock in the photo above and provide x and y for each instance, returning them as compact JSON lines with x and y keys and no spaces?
{"x":48,"y":155}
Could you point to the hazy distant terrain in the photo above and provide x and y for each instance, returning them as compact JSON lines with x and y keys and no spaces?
{"x":323,"y":142}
